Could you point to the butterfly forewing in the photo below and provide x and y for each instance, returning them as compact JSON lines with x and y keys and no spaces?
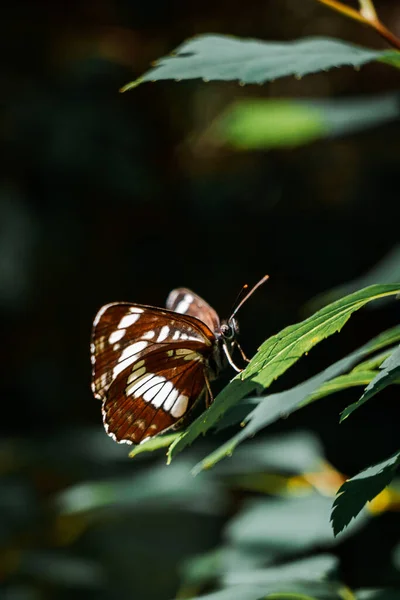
{"x":148,"y":367}
{"x":186,"y":302}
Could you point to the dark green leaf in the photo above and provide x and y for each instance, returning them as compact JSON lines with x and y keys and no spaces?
{"x":279,"y":353}
{"x":282,"y":404}
{"x":390,"y":371}
{"x":360,"y":489}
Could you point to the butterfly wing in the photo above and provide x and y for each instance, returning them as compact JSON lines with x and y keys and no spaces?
{"x":186,"y":302}
{"x":162,"y":352}
{"x":154,"y":393}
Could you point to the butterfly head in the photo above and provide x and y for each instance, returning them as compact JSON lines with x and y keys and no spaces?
{"x":230,"y":329}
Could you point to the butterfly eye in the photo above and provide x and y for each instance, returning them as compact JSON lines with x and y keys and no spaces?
{"x":227,"y":331}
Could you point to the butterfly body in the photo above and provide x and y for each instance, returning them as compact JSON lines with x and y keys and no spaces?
{"x":151,"y":365}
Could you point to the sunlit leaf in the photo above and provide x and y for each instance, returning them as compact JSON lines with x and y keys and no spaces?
{"x":282,"y":404}
{"x":371,"y":364}
{"x":221,"y":57}
{"x":155,"y":443}
{"x":343,"y":382}
{"x":253,"y":124}
{"x":360,"y":489}
{"x":390,"y":371}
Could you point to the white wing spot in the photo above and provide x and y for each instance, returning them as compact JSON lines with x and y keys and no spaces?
{"x":136,"y":310}
{"x":132,"y":350}
{"x":128,"y":320}
{"x":128,"y":356}
{"x":180,"y":406}
{"x":148,"y":335}
{"x":169,"y":402}
{"x":162,"y":394}
{"x":116,"y":335}
{"x":163,"y":333}
{"x":152,"y":387}
{"x":133,"y":387}
{"x":184,"y":304}
{"x":176,"y":335}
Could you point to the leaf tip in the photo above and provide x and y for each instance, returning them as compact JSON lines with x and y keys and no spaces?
{"x":130,"y":86}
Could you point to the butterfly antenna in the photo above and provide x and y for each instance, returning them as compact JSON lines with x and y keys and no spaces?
{"x":239,"y":296}
{"x":247,"y":296}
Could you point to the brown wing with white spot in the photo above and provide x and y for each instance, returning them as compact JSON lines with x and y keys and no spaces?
{"x":186,"y":302}
{"x":123,"y":333}
{"x":154,"y":393}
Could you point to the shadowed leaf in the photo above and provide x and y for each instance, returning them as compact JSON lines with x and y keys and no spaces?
{"x":390,"y":371}
{"x":360,"y":489}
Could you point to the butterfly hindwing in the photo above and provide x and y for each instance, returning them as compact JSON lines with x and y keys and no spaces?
{"x":154,"y":393}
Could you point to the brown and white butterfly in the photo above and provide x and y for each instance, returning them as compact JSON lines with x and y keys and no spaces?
{"x":150,"y":365}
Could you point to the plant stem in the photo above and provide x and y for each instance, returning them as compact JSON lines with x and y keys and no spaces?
{"x":345,"y":10}
{"x":367,"y":15}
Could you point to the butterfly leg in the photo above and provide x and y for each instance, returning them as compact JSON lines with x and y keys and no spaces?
{"x":209,"y":395}
{"x":242,"y":352}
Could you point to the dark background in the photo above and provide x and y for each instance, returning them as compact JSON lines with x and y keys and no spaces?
{"x":107,"y":196}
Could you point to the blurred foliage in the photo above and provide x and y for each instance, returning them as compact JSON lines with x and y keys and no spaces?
{"x":263,"y":124}
{"x":109,"y":196}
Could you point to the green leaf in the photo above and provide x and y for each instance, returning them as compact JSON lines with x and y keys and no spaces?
{"x":313,"y":568}
{"x":285,"y":525}
{"x":261,"y":124}
{"x":371,"y":364}
{"x":275,"y":356}
{"x":338,"y":384}
{"x":291,"y":590}
{"x":292,"y":453}
{"x":153,"y":487}
{"x":378,"y":594}
{"x":390,"y":371}
{"x":155,"y":443}
{"x":222,"y":57}
{"x":360,"y":489}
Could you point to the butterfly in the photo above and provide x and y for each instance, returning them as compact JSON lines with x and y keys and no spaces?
{"x":150,"y":365}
